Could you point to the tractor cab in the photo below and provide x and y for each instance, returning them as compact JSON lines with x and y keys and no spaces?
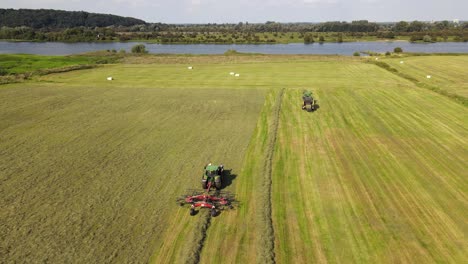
{"x":211,"y":170}
{"x":212,"y":176}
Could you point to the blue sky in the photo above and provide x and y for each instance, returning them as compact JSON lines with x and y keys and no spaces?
{"x":219,"y":11}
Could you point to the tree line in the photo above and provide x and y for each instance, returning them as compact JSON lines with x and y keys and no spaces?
{"x":57,"y":25}
{"x":59,"y":19}
{"x":335,"y":26}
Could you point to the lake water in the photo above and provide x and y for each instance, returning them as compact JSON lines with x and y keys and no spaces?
{"x":347,"y":48}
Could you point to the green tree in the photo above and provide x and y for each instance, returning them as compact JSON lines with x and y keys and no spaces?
{"x":139,"y":48}
{"x":401,"y":26}
{"x":397,"y":50}
{"x":340,"y":38}
{"x":414,"y":38}
{"x":416,"y":26}
{"x":390,"y":35}
{"x":308,"y":39}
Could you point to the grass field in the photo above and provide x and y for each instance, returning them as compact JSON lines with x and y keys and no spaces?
{"x":377,"y":174}
{"x":91,"y":168}
{"x":90,"y":174}
{"x":22,"y":63}
{"x":448,"y":73}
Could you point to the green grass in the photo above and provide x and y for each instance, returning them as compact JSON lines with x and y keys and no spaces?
{"x":23,"y":63}
{"x":90,"y":174}
{"x":448,"y":73}
{"x":376,"y":175}
{"x":91,"y":168}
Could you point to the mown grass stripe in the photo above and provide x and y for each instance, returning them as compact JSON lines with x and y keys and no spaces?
{"x":199,"y":239}
{"x":268,"y":238}
{"x":457,"y":98}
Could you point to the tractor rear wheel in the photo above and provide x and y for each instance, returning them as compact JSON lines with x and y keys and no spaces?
{"x":218,"y":185}
{"x":204,"y":185}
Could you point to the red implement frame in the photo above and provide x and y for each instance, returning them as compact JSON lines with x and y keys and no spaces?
{"x":206,"y":201}
{"x":215,"y":202}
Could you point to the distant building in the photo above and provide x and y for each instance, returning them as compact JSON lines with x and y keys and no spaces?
{"x":456,"y":21}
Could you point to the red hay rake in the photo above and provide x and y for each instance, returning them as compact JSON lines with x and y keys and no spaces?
{"x":216,"y":202}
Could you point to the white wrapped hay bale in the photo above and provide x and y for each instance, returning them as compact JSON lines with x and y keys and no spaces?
{"x":232,"y":73}
{"x":110,"y":78}
{"x":237,"y":75}
{"x":190,"y":67}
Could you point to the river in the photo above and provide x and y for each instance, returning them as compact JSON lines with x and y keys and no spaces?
{"x":346,"y":48}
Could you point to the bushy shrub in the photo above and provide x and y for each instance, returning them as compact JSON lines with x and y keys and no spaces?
{"x":415,"y":38}
{"x":231,"y":52}
{"x":308,"y":38}
{"x":397,"y":50}
{"x":388,"y":53}
{"x":356,"y":54}
{"x":340,"y":38}
{"x":3,"y":71}
{"x":139,"y":48}
{"x":427,"y":38}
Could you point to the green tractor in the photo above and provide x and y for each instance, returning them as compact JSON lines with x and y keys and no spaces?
{"x":212,"y":176}
{"x":310,"y":104}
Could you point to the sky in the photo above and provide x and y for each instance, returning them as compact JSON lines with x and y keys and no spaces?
{"x":257,"y":11}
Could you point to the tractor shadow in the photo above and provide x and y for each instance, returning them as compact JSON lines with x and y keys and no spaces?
{"x":228,"y":177}
{"x":316,"y":107}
